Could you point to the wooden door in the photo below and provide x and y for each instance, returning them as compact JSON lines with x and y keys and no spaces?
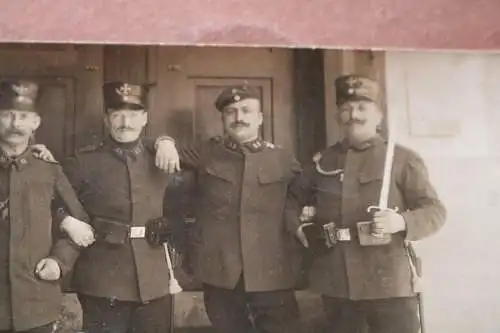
{"x":187,"y":82}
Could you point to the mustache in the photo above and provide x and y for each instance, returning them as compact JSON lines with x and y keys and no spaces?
{"x":15,"y":132}
{"x":239,"y":123}
{"x":356,"y":121}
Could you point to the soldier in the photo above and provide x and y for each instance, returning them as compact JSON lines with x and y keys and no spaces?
{"x":363,"y":283}
{"x":34,"y":255}
{"x":246,"y":254}
{"x":122,"y":279}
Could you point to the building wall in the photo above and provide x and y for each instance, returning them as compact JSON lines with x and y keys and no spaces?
{"x":446,"y":107}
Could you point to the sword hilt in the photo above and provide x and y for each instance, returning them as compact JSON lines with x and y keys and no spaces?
{"x":373,"y":208}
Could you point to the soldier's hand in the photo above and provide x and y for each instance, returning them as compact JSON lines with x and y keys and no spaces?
{"x":387,"y":222}
{"x":42,"y":152}
{"x":301,"y":236}
{"x":80,"y":232}
{"x":167,"y":156}
{"x":308,"y":213}
{"x":48,"y":269}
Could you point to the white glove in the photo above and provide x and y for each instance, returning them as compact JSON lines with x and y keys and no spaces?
{"x":388,"y":222}
{"x":167,"y":156}
{"x":80,"y":232}
{"x":301,"y":236}
{"x":308,"y":212}
{"x":42,"y":152}
{"x":48,"y":269}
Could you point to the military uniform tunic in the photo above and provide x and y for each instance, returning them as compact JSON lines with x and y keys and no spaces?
{"x":350,"y":270}
{"x":123,"y":186}
{"x":241,"y":225}
{"x":29,"y":188}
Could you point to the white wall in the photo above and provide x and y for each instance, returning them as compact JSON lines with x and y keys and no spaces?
{"x":447,"y":107}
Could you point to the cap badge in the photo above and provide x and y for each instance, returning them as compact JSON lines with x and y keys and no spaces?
{"x":23,"y":92}
{"x":125,"y":92}
{"x":236,"y":98}
{"x":352,"y":81}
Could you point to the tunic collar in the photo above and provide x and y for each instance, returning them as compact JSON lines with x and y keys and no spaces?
{"x":19,"y":161}
{"x":252,"y":146}
{"x":131,"y":150}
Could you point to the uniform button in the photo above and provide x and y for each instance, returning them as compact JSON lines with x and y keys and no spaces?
{"x":23,"y":161}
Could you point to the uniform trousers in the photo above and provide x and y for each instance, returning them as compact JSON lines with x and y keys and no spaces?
{"x":104,"y":315}
{"x":389,"y":315}
{"x":49,"y":328}
{"x":236,"y":310}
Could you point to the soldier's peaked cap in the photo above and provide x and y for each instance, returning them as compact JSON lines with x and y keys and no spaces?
{"x":19,"y":95}
{"x":235,"y":94}
{"x":124,"y":95}
{"x":355,"y":88}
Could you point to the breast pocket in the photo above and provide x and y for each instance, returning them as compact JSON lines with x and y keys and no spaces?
{"x":328,"y":192}
{"x":218,"y":184}
{"x":273,"y":184}
{"x":369,"y":187}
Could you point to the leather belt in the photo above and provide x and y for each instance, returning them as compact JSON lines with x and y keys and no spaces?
{"x":116,"y":232}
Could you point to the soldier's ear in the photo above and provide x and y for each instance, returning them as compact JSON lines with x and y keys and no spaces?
{"x":145,"y":118}
{"x":338,"y":117}
{"x":106,"y":120}
{"x":37,"y":121}
{"x":380,"y":115}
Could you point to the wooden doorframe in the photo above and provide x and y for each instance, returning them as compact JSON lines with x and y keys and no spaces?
{"x":309,"y":102}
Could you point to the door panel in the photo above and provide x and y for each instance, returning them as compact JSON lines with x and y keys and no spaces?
{"x":57,"y":108}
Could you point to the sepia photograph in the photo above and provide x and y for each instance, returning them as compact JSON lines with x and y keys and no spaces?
{"x":246,"y":180}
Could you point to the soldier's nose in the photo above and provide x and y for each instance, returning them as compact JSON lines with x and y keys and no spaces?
{"x":125,"y":122}
{"x":240,"y":115}
{"x":353,"y":114}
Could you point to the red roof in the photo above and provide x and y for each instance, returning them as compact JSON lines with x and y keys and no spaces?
{"x":429,"y":24}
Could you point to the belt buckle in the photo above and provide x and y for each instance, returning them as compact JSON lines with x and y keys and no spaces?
{"x":343,"y":234}
{"x":137,"y":232}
